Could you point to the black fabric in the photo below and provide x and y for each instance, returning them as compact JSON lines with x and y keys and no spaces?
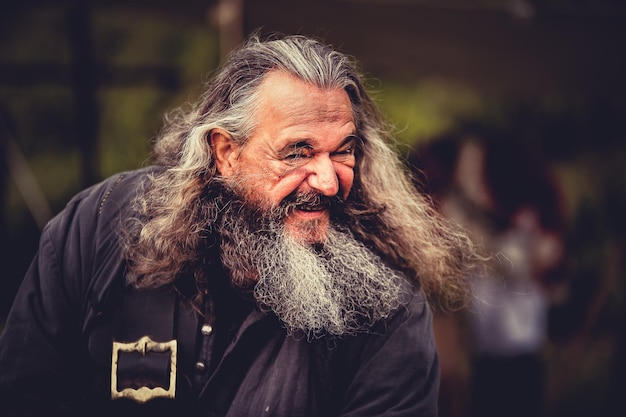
{"x":55,"y":351}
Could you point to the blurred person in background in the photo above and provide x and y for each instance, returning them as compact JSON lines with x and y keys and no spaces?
{"x":276,"y":260}
{"x":493,"y":185}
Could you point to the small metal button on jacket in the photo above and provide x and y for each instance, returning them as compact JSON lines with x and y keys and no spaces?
{"x":200,"y":366}
{"x":206,"y":330}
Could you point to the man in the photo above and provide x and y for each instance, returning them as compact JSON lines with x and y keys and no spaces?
{"x":276,"y":261}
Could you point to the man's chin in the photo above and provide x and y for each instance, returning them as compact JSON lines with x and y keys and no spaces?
{"x":308,"y":231}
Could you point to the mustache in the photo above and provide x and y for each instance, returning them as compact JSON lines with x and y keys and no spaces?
{"x":310,"y":201}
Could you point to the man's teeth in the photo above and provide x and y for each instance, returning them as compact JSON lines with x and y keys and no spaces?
{"x":310,"y":208}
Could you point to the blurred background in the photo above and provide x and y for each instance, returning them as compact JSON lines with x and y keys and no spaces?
{"x":510,"y":112}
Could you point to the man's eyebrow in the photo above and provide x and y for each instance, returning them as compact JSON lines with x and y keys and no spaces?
{"x":309,"y":143}
{"x":295,"y":144}
{"x":352,"y":137}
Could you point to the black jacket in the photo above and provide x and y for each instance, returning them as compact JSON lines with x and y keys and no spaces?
{"x":55,"y":351}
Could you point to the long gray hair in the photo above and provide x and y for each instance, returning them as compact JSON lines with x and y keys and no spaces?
{"x":387,"y":212}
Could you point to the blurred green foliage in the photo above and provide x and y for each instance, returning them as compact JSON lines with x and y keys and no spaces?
{"x":130,"y":111}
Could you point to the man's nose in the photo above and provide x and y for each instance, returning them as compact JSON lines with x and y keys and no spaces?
{"x":322,"y":176}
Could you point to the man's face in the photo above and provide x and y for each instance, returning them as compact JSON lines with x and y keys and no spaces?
{"x":304,"y":145}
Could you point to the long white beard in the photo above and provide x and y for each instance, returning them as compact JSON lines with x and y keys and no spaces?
{"x":338,"y":287}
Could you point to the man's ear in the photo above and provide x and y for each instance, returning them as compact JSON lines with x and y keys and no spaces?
{"x":225,"y":151}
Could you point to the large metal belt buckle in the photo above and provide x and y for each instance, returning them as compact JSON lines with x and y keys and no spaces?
{"x":142,"y":346}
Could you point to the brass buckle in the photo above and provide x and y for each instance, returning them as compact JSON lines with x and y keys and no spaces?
{"x":143,"y":394}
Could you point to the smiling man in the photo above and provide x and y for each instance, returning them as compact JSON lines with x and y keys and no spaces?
{"x":276,"y":260}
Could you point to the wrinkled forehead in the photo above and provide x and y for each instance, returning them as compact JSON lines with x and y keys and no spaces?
{"x":282,"y":96}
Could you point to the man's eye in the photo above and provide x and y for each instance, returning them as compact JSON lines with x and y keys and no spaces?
{"x":346,"y":151}
{"x":343,"y":154}
{"x":299,"y":153}
{"x":296,"y":155}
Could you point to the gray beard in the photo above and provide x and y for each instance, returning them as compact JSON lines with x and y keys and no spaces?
{"x":336,"y":287}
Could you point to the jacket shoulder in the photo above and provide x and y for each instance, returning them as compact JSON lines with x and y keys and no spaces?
{"x":84,"y":236}
{"x":111,"y":194}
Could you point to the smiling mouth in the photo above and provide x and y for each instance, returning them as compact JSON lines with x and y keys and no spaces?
{"x":310,"y":204}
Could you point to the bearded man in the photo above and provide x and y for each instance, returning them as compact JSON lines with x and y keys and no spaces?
{"x":275,"y":261}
